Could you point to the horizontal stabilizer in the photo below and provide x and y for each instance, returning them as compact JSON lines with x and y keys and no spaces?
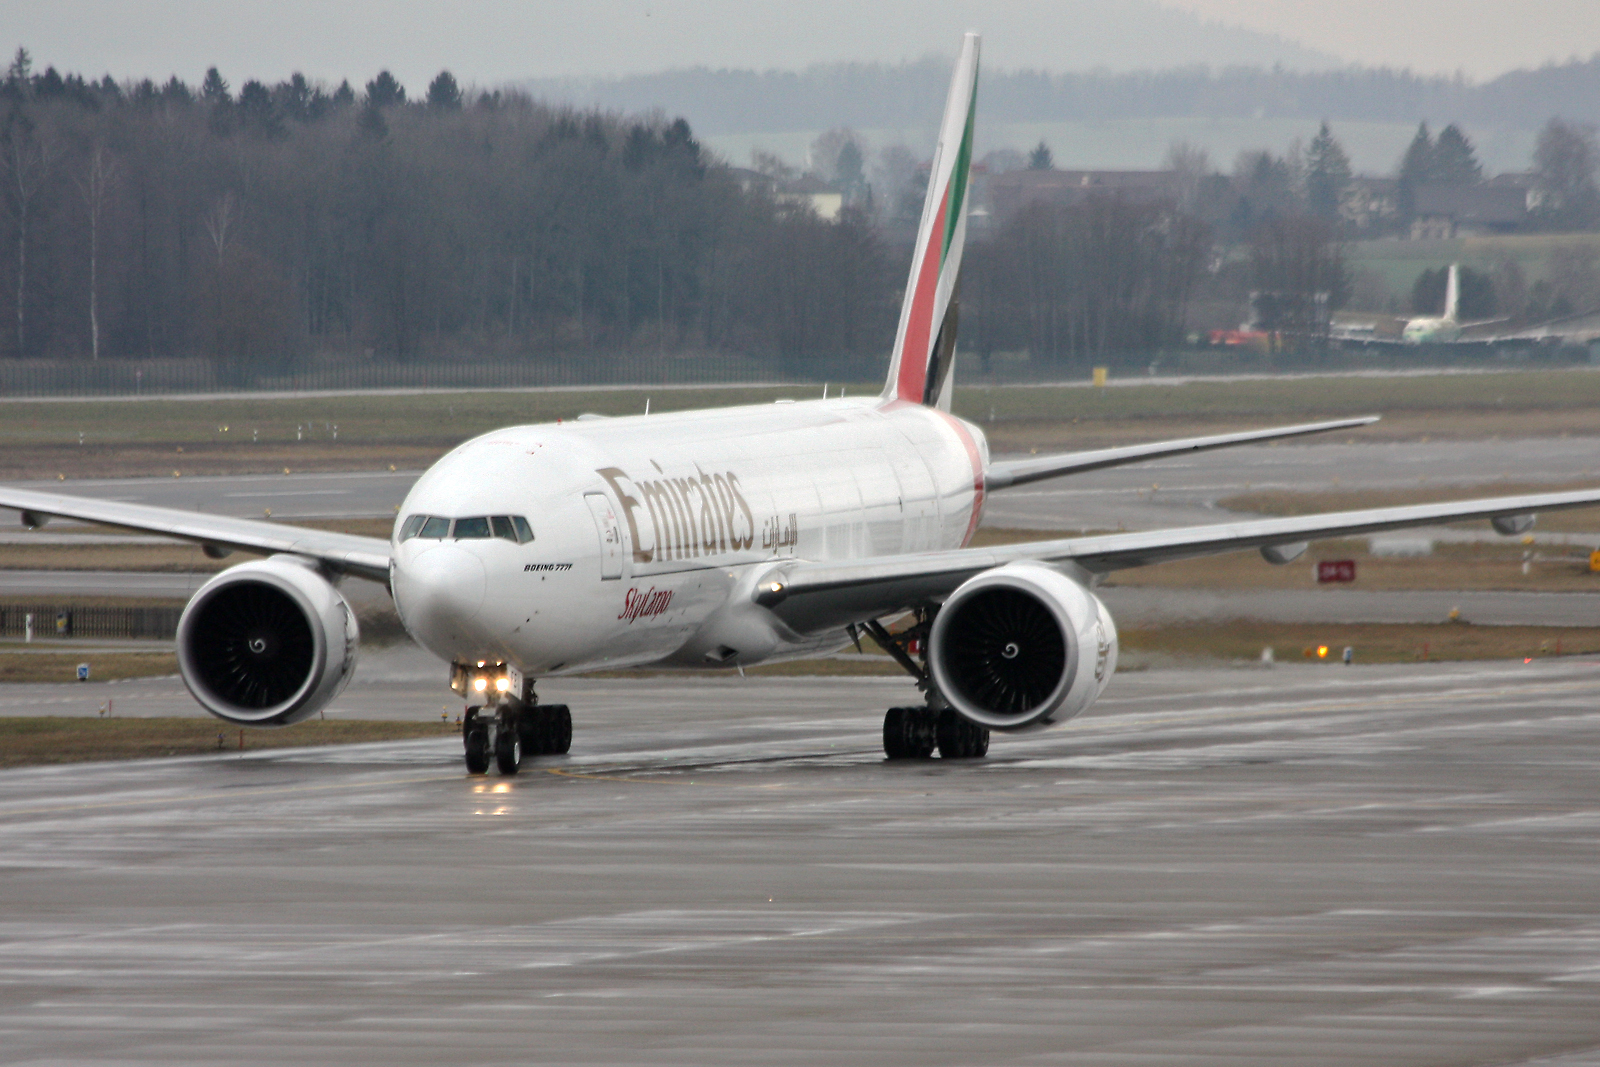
{"x":1006,"y":473}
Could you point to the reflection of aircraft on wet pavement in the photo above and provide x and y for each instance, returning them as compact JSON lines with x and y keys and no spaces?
{"x":723,"y":538}
{"x":1448,"y":329}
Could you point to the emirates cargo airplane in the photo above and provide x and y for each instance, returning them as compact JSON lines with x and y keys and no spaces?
{"x":724,"y":538}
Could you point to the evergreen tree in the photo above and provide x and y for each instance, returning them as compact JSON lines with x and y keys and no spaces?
{"x":1454,"y":160}
{"x":1416,"y":168}
{"x":443,"y":93}
{"x":257,"y":112}
{"x":385,"y":91}
{"x":19,"y":76}
{"x":175,"y":92}
{"x":1327,"y":174}
{"x":1041,"y":159}
{"x":214,"y":90}
{"x":344,"y":96}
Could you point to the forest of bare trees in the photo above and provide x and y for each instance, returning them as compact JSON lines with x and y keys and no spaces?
{"x":283,"y":224}
{"x":275,"y":228}
{"x":1082,"y":283}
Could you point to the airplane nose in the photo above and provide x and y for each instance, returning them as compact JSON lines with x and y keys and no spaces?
{"x":439,"y":586}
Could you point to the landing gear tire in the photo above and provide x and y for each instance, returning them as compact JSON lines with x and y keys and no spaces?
{"x":508,"y":749}
{"x":960,"y":738}
{"x":909,"y":733}
{"x":475,"y":736}
{"x":546,"y":730}
{"x":560,"y":729}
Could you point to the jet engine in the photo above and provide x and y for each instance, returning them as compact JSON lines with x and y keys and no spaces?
{"x":267,"y":643}
{"x":1022,"y":645}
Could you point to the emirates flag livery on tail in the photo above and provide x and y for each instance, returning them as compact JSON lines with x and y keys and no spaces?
{"x":723,"y":538}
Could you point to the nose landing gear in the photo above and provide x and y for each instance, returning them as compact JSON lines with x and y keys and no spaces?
{"x":512,"y":732}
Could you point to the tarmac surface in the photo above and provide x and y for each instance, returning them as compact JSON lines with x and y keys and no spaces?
{"x":1306,"y":865}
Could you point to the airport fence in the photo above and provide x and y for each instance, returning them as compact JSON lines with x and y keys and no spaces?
{"x":55,"y":620}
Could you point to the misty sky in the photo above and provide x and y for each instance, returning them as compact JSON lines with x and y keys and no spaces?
{"x":494,"y":41}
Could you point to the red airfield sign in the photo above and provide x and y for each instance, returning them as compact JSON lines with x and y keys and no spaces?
{"x":1336,"y":570}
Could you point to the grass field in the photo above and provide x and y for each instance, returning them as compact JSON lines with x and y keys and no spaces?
{"x":258,"y":434}
{"x":1399,"y":262}
{"x":34,"y":666}
{"x":30,"y":740}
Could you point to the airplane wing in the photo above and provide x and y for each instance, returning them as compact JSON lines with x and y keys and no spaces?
{"x":815,"y":596}
{"x":1006,"y":473}
{"x":363,"y":557}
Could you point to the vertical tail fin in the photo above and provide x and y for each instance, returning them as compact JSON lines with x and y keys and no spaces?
{"x":1452,"y":292}
{"x":924,"y":345}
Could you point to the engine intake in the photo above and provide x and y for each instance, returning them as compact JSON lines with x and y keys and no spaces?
{"x":268,"y":643}
{"x":1022,"y":645}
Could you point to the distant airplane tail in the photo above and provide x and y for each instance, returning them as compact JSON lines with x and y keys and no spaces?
{"x":1452,"y":293}
{"x":924,"y":345}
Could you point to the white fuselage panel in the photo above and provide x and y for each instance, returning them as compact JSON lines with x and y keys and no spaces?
{"x":702,"y":503}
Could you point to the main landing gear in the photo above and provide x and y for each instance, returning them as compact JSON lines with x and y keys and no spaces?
{"x":509,"y":733}
{"x":914,"y":733}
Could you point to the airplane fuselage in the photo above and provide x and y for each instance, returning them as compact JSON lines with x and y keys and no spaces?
{"x":649,"y":532}
{"x":1431,"y":331}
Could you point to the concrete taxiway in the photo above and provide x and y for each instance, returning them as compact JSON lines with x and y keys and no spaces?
{"x":1323,"y":865}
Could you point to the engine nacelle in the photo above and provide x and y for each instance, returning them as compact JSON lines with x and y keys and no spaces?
{"x":1022,"y":645}
{"x":267,"y":643}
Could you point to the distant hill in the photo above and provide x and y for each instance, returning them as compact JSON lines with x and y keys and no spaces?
{"x":622,"y":37}
{"x":910,"y":95}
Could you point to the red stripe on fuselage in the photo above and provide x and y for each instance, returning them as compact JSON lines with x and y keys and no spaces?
{"x":913,"y":377}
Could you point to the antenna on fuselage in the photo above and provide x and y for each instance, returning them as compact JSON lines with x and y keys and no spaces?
{"x":647,"y":405}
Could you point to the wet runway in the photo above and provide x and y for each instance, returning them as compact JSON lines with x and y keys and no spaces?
{"x":1317,"y":865}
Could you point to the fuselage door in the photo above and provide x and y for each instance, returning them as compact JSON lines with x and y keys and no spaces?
{"x":605,"y":524}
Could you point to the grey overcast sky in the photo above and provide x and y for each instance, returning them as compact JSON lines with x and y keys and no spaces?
{"x":494,"y":41}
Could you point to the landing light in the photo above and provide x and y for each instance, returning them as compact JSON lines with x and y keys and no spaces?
{"x":490,"y":681}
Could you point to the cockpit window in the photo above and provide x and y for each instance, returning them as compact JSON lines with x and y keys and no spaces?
{"x":430,"y":526}
{"x":473,"y":528}
{"x":513,"y":528}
